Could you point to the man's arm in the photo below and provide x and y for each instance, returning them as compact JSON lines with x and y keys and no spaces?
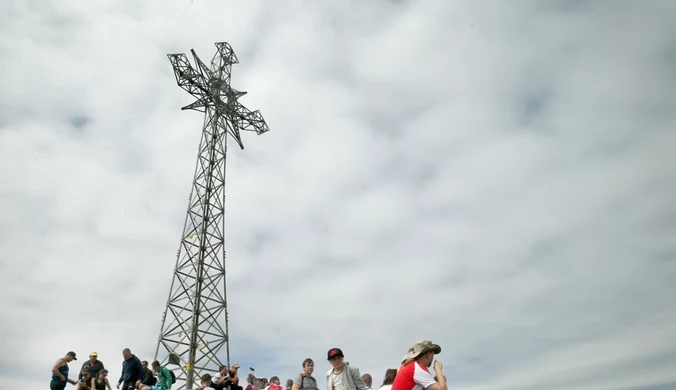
{"x":356,"y":377}
{"x":121,"y":375}
{"x":440,"y":384}
{"x":297,"y":382}
{"x":55,"y":370}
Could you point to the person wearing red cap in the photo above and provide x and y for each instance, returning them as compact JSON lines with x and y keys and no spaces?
{"x":342,"y":376}
{"x":414,"y":373}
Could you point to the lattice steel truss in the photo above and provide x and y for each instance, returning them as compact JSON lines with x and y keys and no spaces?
{"x":195,"y":322}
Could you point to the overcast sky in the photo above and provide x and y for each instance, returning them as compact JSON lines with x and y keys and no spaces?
{"x":497,"y":177}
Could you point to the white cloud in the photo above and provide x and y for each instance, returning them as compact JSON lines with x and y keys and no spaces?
{"x":497,"y":178}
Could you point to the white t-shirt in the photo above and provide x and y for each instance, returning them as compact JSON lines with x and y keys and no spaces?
{"x":337,"y":380}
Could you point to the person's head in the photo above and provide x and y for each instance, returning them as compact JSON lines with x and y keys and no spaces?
{"x":368,"y":381}
{"x":335,"y":357}
{"x":390,"y":374}
{"x":250,"y":378}
{"x":274,"y":380}
{"x":205,"y":380}
{"x":144,"y":364}
{"x":70,"y":356}
{"x":423,"y":351}
{"x":104,"y":373}
{"x":156,"y":365}
{"x":265,"y":381}
{"x":223,"y":369}
{"x":308,"y":366}
{"x":234,"y":368}
{"x":126,"y":353}
{"x":289,"y":383}
{"x":93,"y":356}
{"x":85,"y":371}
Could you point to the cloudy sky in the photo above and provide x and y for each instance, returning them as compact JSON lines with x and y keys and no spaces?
{"x":493,"y":176}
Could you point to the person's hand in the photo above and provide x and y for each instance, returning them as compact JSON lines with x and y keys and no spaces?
{"x":118,"y":385}
{"x":438,"y":366}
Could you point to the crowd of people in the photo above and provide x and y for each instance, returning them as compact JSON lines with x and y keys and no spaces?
{"x":94,"y":376}
{"x":413,"y":374}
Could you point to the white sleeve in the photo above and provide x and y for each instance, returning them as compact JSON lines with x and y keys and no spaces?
{"x":423,"y":378}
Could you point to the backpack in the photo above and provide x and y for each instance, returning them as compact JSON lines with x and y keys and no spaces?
{"x":171,"y":373}
{"x":302,"y":381}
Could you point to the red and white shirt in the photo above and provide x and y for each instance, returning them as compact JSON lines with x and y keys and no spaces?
{"x":413,"y":376}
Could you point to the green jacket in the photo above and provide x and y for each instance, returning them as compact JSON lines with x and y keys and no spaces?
{"x":164,"y":378}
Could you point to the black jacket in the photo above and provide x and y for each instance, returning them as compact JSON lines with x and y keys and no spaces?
{"x":131,"y":370}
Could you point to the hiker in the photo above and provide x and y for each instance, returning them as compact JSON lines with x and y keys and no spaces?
{"x":342,"y":376}
{"x":305,"y":380}
{"x":164,"y":378}
{"x":414,"y":373}
{"x":131,"y":370}
{"x":60,"y":372}
{"x":100,"y":381}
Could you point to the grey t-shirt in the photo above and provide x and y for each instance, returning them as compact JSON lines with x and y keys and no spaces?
{"x":307,"y":382}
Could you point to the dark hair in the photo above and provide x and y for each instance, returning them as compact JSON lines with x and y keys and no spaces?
{"x":102,"y":372}
{"x":289,"y":382}
{"x":156,"y":363}
{"x":145,"y":361}
{"x":390,"y":374}
{"x":307,"y":361}
{"x":206,"y":378}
